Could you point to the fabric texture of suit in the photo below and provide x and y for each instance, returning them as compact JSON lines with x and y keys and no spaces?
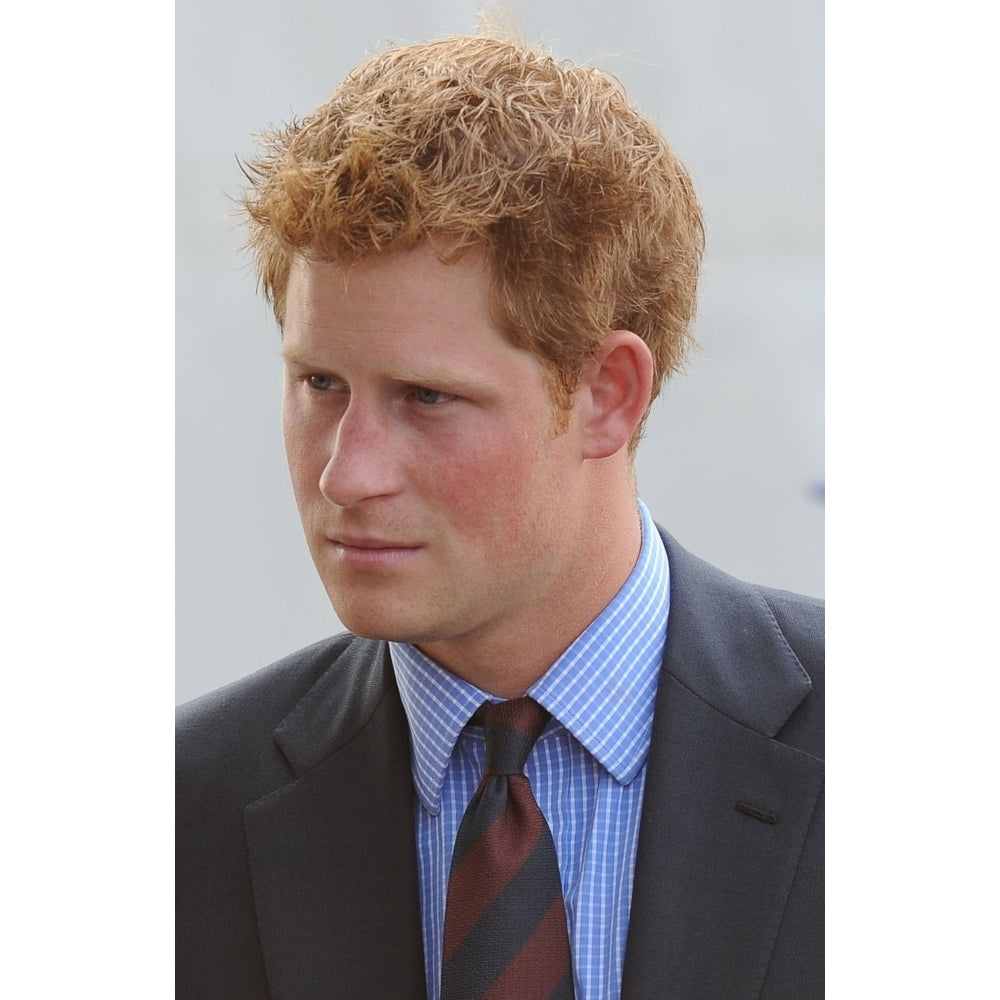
{"x":296,"y":851}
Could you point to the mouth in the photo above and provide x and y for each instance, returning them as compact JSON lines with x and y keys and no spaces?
{"x":351,"y":542}
{"x":372,"y":553}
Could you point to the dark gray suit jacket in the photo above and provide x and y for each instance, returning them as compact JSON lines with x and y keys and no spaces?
{"x":296,"y":858}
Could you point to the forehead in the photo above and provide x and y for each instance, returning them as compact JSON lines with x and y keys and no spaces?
{"x":409,"y":288}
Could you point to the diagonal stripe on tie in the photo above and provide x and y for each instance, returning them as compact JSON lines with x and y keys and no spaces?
{"x":531,"y":970}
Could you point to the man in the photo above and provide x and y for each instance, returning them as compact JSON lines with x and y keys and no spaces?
{"x":483,"y":264}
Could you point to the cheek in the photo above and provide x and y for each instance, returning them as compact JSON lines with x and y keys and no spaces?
{"x":489,"y":490}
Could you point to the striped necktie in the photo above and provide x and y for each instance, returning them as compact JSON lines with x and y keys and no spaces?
{"x":505,"y":935}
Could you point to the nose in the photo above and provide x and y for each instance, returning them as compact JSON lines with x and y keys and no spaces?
{"x":361,"y":463}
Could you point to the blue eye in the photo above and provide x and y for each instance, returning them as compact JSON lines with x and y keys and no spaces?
{"x":320,"y":382}
{"x":430,"y":396}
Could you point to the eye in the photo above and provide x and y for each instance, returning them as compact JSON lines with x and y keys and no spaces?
{"x":431,"y":397}
{"x":321,"y":383}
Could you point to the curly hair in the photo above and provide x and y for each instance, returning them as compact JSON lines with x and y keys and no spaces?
{"x":588,"y":220}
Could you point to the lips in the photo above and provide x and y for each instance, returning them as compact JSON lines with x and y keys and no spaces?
{"x":370,"y":543}
{"x":368,"y":553}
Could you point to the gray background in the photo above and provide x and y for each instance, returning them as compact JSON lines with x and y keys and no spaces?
{"x":732,"y":463}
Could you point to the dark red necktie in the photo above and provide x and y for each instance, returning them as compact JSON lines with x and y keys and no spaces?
{"x":505,"y":934}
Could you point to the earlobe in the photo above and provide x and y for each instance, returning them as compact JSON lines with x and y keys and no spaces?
{"x":619,"y":384}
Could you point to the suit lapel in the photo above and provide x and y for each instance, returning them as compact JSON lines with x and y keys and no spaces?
{"x":726,"y":807}
{"x":333,"y":923}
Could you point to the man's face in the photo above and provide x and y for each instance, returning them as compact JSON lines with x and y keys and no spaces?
{"x":439,"y":504}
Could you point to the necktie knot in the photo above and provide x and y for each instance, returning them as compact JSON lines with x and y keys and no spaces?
{"x":511,"y":729}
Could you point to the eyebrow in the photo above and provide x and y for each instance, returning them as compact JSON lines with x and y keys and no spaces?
{"x":442,"y":376}
{"x":302,"y":360}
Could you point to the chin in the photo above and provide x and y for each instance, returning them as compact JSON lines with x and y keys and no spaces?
{"x":369,"y":624}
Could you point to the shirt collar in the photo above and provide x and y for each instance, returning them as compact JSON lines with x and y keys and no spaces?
{"x":602,"y":688}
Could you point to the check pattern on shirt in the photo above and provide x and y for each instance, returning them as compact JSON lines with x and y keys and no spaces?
{"x":587,"y":770}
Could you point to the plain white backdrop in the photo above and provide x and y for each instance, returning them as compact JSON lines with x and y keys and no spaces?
{"x":733,"y":462}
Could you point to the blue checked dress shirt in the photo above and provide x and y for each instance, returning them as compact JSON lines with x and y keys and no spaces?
{"x":587,"y":770}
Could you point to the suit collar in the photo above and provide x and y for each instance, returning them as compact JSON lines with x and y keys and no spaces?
{"x":725,"y":645}
{"x":338,"y":706}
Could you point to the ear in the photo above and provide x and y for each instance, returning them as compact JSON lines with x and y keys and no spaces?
{"x":616,"y":387}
